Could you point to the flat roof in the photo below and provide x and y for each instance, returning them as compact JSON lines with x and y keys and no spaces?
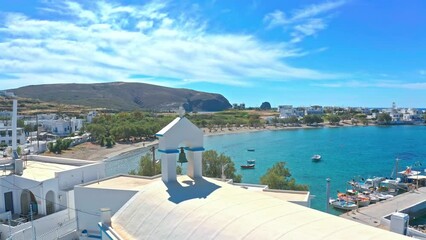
{"x":41,"y":171}
{"x":123,"y":182}
{"x":206,"y":208}
{"x":287,"y":196}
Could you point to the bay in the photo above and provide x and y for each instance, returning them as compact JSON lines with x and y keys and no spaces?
{"x":347,"y":153}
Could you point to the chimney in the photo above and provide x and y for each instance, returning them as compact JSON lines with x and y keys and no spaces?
{"x":106,"y":216}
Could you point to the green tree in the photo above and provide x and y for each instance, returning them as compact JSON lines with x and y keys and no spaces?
{"x":333,"y":119}
{"x":279,"y":177}
{"x":146,"y":167}
{"x":311,"y":119}
{"x":212,"y":166}
{"x":384,"y":118}
{"x":108,"y":142}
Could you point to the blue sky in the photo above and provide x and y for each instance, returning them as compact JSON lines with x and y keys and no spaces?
{"x":339,"y":53}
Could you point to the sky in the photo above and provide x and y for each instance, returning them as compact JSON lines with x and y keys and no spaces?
{"x":300,"y":52}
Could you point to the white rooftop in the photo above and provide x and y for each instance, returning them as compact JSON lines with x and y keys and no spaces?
{"x":210,"y":209}
{"x":41,"y":171}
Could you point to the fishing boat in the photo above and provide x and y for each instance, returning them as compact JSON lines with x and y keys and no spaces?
{"x":247,"y":166}
{"x":316,"y":158}
{"x":343,"y":205}
{"x":251,"y":161}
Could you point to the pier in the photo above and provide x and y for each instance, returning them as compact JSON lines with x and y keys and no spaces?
{"x":373,"y":214}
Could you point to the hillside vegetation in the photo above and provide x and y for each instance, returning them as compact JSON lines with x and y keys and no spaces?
{"x":120,"y":96}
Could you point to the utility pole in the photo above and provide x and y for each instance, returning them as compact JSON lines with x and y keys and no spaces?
{"x":38,"y":144}
{"x":153,"y":160}
{"x":328,"y":194}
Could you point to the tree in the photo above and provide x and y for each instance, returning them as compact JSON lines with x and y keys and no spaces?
{"x":384,"y":118}
{"x":311,"y":119}
{"x":145,"y":167}
{"x":333,"y":119}
{"x":279,"y":177}
{"x":212,"y":166}
{"x":265,"y":106}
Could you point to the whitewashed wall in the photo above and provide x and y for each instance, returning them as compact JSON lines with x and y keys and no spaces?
{"x":69,"y":178}
{"x":89,"y":201}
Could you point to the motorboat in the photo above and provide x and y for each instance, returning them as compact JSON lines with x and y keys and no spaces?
{"x":250,"y":149}
{"x":382,"y":196}
{"x":343,"y":205}
{"x":251,"y":161}
{"x":367,"y":185}
{"x":247,"y":166}
{"x":316,"y":158}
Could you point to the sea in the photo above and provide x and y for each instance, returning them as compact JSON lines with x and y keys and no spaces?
{"x":347,"y":153}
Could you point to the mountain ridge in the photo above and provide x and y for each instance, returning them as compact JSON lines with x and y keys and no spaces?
{"x":125,"y":96}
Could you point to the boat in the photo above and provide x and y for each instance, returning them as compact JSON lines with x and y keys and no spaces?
{"x":247,"y":166}
{"x":366,"y":185}
{"x":250,"y":149}
{"x":343,"y":205}
{"x":316,"y":158}
{"x":251,"y":161}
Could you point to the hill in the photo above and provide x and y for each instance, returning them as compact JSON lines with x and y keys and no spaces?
{"x":123,"y":96}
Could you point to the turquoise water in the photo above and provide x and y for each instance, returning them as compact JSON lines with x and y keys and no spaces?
{"x":347,"y":152}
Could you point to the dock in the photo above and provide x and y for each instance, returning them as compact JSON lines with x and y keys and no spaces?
{"x":372,"y":214}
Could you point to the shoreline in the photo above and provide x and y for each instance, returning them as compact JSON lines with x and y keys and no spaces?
{"x":225,"y":131}
{"x":93,"y":152}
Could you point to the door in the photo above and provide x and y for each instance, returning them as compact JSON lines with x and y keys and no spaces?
{"x":8,"y":201}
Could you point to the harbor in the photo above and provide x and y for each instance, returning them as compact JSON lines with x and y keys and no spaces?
{"x":378,"y":214}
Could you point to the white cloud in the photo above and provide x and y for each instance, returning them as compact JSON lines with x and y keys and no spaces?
{"x":303,"y":22}
{"x":316,"y":9}
{"x":375,"y":84}
{"x":110,"y":42}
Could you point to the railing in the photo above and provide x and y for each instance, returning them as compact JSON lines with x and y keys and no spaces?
{"x":22,"y":234}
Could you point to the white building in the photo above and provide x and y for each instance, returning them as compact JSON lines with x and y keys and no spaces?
{"x":286,"y":111}
{"x":61,"y":127}
{"x":91,"y":115}
{"x":42,"y":191}
{"x":412,"y":115}
{"x":314,"y":110}
{"x":6,"y":135}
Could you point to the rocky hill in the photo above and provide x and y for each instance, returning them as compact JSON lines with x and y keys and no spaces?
{"x":123,"y":96}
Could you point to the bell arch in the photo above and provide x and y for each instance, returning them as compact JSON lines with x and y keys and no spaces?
{"x":180,"y":134}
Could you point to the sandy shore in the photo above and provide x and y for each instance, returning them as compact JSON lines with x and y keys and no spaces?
{"x":94,"y":152}
{"x":222,"y":131}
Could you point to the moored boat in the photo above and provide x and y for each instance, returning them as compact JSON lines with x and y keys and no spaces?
{"x":343,"y":205}
{"x":247,"y":166}
{"x":250,"y":149}
{"x":251,"y":161}
{"x":316,"y":158}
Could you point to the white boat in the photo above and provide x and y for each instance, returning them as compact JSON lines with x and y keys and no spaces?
{"x":316,"y":158}
{"x":367,"y":185}
{"x":382,"y":196}
{"x":373,"y":197}
{"x":251,"y":161}
{"x":343,"y":205}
